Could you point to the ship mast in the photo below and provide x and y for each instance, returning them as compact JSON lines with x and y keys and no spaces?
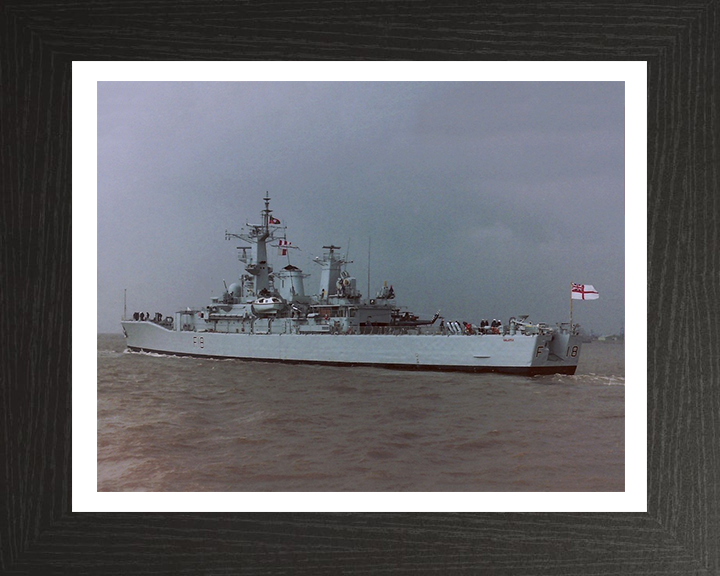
{"x":262,"y":233}
{"x":259,"y":234}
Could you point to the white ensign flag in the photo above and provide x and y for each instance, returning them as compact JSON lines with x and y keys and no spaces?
{"x":584,"y":292}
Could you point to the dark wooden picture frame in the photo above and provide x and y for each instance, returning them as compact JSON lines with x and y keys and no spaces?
{"x":680,"y":532}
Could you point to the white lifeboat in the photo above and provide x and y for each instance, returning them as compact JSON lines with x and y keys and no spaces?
{"x":270,"y":305}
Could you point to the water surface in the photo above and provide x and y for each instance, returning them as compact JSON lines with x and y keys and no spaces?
{"x":187,"y":424}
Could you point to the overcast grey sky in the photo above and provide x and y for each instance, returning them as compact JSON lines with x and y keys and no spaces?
{"x":481,"y":199}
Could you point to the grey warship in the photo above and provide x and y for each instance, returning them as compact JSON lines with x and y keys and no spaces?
{"x":267,"y":316}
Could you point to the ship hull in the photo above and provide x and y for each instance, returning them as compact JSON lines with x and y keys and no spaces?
{"x":511,"y":354}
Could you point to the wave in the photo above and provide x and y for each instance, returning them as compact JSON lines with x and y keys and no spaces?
{"x":109,"y":354}
{"x":592,"y":379}
{"x":152,"y":354}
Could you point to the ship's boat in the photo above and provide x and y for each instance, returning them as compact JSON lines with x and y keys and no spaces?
{"x":271,"y":305}
{"x":267,"y":315}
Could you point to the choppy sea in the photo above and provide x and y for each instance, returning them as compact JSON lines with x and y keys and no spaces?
{"x":185,"y":424}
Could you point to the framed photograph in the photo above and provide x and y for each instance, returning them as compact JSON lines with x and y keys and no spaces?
{"x":663,"y":520}
{"x":513,"y":175}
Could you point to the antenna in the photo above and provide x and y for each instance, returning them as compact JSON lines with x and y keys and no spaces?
{"x":368,"y":291}
{"x":266,"y":212}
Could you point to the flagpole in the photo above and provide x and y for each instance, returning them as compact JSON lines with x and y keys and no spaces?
{"x":571,"y":318}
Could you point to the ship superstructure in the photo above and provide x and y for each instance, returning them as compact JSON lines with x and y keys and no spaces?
{"x":268,"y":315}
